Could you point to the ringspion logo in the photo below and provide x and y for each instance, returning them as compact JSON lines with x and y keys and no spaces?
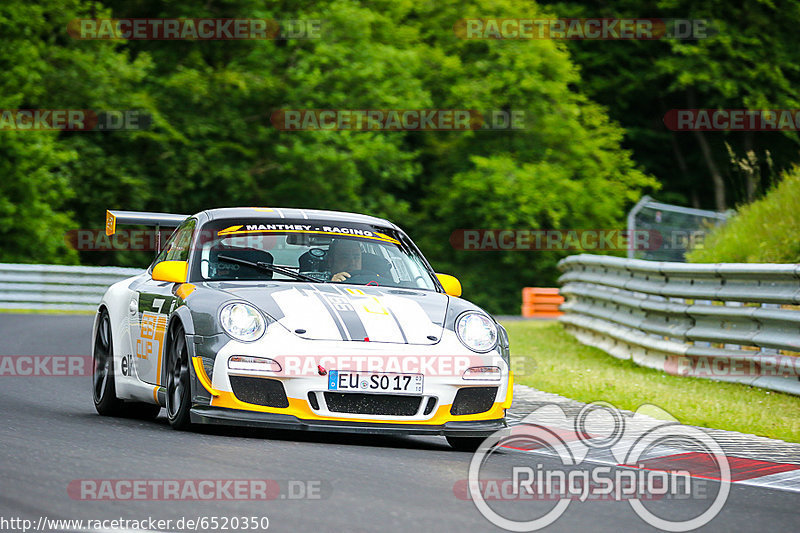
{"x":576,"y":476}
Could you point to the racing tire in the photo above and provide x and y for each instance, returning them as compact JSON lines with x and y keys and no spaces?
{"x":104,"y":390}
{"x":178,"y":380}
{"x":465,"y":444}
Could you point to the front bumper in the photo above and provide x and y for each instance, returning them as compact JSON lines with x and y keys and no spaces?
{"x":437,"y":406}
{"x":237,"y":417}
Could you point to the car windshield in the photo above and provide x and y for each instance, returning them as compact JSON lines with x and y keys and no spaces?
{"x":309,"y":251}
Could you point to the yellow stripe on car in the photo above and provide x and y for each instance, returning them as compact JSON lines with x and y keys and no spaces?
{"x":301,"y":409}
{"x":381,"y":237}
{"x":509,"y":391}
{"x":200,"y":372}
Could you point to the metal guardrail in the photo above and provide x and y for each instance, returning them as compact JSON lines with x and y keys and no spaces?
{"x":72,"y":288}
{"x":735,"y":322}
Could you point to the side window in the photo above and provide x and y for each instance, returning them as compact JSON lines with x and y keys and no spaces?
{"x":179,"y":251}
{"x":177,"y":246}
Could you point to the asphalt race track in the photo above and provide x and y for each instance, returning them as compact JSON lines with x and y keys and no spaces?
{"x":52,"y":436}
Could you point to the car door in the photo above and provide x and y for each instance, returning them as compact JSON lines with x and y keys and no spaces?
{"x":153,"y":302}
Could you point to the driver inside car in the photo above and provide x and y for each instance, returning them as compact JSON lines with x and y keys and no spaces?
{"x":345,"y":258}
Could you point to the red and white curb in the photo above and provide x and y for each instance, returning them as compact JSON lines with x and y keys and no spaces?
{"x":753,"y":460}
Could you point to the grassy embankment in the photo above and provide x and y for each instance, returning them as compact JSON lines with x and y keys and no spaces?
{"x":558,"y":363}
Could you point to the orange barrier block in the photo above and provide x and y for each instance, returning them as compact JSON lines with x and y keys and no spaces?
{"x":541,"y":302}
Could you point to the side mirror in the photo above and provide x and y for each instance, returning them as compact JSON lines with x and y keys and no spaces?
{"x":451,"y":284}
{"x":172,"y":271}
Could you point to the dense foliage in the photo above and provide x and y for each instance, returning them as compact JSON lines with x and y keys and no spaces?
{"x":749,"y":60}
{"x":211,"y":142}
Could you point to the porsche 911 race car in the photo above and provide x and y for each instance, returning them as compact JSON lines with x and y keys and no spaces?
{"x":291,"y":318}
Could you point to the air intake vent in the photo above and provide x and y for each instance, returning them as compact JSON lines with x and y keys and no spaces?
{"x":430,"y":406}
{"x":373,"y":404}
{"x":473,"y":400}
{"x":259,"y":391}
{"x":312,"y":399}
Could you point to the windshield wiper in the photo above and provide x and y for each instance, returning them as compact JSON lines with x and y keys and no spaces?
{"x":269,"y":267}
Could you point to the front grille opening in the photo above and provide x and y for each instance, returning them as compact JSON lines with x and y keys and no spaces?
{"x":312,"y":399}
{"x":430,"y":406}
{"x":473,"y":400}
{"x":260,"y":391}
{"x":373,"y":404}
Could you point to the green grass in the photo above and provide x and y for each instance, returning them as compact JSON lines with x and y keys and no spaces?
{"x":550,"y":359}
{"x":762,"y":232}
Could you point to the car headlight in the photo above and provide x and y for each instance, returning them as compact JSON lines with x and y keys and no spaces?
{"x":242,"y":321}
{"x":476,"y":331}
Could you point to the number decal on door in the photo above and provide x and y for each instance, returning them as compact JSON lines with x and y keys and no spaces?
{"x":158,"y":303}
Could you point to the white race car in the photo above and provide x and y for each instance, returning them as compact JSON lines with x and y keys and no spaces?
{"x":291,"y":318}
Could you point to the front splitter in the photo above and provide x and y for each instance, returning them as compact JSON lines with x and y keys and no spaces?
{"x":235,"y":417}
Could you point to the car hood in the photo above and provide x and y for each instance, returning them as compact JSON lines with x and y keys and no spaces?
{"x":343,"y":312}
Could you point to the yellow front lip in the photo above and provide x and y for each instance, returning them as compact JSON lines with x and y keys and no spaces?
{"x":301,"y":409}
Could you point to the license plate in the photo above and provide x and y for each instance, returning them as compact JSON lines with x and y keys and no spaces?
{"x":380,"y":382}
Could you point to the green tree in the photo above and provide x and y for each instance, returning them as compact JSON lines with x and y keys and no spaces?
{"x":749,"y":61}
{"x":564,"y":170}
{"x":32,"y":190}
{"x":43,"y":190}
{"x":211,"y":143}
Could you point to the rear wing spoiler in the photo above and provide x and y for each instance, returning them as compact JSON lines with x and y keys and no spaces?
{"x":167,"y":220}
